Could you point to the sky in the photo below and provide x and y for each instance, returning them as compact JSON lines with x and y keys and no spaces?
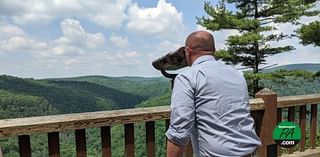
{"x":67,"y":38}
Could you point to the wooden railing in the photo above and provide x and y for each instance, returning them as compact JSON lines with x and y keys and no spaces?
{"x":266,"y":109}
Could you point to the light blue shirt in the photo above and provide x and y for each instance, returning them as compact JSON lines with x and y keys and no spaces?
{"x":210,"y":106}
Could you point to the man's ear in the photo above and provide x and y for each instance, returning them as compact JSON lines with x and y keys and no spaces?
{"x":186,"y":51}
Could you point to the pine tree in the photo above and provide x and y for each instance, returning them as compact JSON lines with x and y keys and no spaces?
{"x":310,"y":33}
{"x":254,"y":19}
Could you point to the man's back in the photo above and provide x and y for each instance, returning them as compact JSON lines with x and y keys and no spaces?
{"x":215,"y":100}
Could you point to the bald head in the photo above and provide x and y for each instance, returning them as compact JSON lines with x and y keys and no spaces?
{"x":200,"y":41}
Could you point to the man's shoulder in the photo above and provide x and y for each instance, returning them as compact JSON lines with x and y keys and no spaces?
{"x":187,"y":75}
{"x":189,"y":72}
{"x":215,"y":68}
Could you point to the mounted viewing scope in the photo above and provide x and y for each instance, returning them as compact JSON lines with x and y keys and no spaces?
{"x":171,"y":61}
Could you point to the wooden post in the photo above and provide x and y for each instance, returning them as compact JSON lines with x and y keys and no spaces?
{"x":167,"y":124}
{"x":313,"y":127}
{"x":105,"y":132}
{"x":24,"y":146}
{"x":129,"y":139}
{"x":167,"y":127}
{"x":81,"y":142}
{"x":291,"y":116}
{"x":279,"y":119}
{"x":1,"y":152}
{"x":150,"y":139}
{"x":53,"y":144}
{"x":302,"y":123}
{"x":268,"y":123}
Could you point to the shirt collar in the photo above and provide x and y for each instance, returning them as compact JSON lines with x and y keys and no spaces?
{"x":203,"y":59}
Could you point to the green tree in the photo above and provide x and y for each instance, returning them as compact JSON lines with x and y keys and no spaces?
{"x":317,"y":74}
{"x":310,"y":33}
{"x":254,"y":19}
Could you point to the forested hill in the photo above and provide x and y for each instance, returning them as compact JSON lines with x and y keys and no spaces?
{"x":306,"y":67}
{"x":71,"y":95}
{"x":20,"y":97}
{"x":141,"y":86}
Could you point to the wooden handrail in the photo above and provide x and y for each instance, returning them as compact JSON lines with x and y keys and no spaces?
{"x":58,"y":123}
{"x":299,"y":100}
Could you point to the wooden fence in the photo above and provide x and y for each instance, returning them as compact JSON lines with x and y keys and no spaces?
{"x":267,"y":110}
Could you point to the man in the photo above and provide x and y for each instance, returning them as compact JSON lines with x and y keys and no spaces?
{"x":210,"y":106}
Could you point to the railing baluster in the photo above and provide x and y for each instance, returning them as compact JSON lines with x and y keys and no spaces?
{"x":167,"y":124}
{"x":150,"y":139}
{"x":189,"y":151}
{"x":279,"y":119}
{"x":279,"y":115}
{"x":291,"y":116}
{"x":1,"y":152}
{"x":81,"y":142}
{"x":54,"y":144}
{"x":24,"y":146}
{"x":167,"y":121}
{"x":129,"y":139}
{"x":313,"y":127}
{"x":302,"y":121}
{"x":106,"y":141}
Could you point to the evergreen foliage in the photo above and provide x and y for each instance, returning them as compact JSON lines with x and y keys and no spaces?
{"x":310,"y":33}
{"x":255,"y":20}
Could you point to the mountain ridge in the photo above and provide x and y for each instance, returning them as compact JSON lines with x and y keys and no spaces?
{"x":84,"y":94}
{"x":311,"y":67}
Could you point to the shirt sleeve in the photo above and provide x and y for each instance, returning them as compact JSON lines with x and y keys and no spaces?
{"x":182,"y":112}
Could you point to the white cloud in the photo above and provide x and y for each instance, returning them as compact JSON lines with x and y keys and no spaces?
{"x":75,"y":39}
{"x":302,"y":54}
{"x":124,"y":57}
{"x":66,"y":50}
{"x":73,"y":33}
{"x":23,"y":12}
{"x":9,"y":30}
{"x":110,"y":13}
{"x":20,"y":43}
{"x":17,"y":49}
{"x":167,"y":46}
{"x":220,"y":37}
{"x":119,"y":41}
{"x":31,"y":18}
{"x":10,"y":7}
{"x":201,"y":28}
{"x":70,"y":62}
{"x":164,"y":19}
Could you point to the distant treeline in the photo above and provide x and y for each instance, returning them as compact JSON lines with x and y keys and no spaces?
{"x":28,"y":97}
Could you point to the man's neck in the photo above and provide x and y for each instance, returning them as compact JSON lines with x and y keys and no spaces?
{"x":195,"y":57}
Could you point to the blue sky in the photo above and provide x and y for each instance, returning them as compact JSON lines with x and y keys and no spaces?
{"x":65,"y":38}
